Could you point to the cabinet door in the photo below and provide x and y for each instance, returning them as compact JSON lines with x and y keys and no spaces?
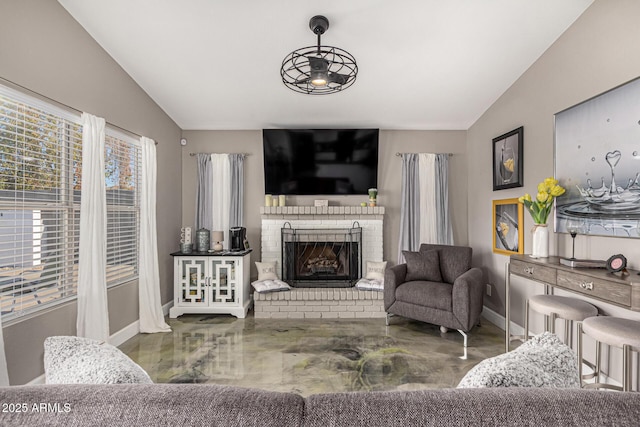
{"x":223,"y":281}
{"x":193,"y":282}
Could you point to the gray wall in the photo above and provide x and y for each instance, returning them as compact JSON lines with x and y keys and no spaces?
{"x":595,"y":54}
{"x":44,"y":49}
{"x":389,"y":178}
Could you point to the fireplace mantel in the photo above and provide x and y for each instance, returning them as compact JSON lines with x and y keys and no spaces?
{"x":321,"y":212}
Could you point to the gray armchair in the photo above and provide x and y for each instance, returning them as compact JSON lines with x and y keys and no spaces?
{"x":436,"y":285}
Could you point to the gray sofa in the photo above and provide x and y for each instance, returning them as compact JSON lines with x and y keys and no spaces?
{"x":213,"y":405}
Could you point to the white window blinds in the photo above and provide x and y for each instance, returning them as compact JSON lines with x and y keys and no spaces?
{"x":122,"y":174}
{"x":40,"y":182}
{"x":40,"y":151}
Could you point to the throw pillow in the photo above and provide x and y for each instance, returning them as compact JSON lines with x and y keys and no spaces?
{"x":375,"y":270}
{"x":269,"y":285}
{"x":266,"y":270}
{"x":543,"y":361}
{"x":76,"y":360}
{"x":423,"y":266}
{"x":365,"y":284}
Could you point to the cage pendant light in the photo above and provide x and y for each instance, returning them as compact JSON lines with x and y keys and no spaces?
{"x":319,"y":70}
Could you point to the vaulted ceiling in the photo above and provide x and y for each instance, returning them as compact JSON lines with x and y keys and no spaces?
{"x":423,"y":64}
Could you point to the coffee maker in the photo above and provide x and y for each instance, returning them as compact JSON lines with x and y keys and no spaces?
{"x":237,"y":236}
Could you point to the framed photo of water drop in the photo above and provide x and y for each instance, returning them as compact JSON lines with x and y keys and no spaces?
{"x":507,"y":160}
{"x":597,"y":160}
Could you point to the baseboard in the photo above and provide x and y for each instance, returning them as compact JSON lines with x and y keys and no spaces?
{"x":37,"y":380}
{"x":166,"y":307}
{"x":499,"y":321}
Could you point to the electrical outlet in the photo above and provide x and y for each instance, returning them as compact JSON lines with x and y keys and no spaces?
{"x":488,"y":289}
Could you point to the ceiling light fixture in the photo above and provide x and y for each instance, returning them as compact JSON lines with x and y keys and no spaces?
{"x":319,"y":70}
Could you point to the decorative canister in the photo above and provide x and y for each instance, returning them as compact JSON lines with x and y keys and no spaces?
{"x":202,"y":240}
{"x":186,"y":248}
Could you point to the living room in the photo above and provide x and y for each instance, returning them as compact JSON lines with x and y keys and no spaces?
{"x":45,"y":50}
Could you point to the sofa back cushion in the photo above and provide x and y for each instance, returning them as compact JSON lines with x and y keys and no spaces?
{"x":454,"y":260}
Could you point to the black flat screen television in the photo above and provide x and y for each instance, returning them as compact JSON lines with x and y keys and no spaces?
{"x":320,"y":161}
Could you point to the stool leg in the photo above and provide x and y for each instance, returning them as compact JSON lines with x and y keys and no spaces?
{"x":567,"y":338}
{"x":526,"y":320}
{"x":579,"y":345}
{"x":598,"y":356}
{"x":626,"y":366}
{"x":552,"y":326}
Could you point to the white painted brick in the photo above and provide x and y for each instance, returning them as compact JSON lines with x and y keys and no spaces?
{"x":271,"y":308}
{"x":296,"y":315}
{"x":346,"y":315}
{"x":367,"y":315}
{"x":262,"y":315}
{"x":313,"y":315}
{"x":288,"y":308}
{"x":355,"y":308}
{"x":330,"y":315}
{"x":279,"y":315}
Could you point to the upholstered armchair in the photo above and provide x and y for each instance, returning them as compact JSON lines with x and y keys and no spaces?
{"x":436,"y":285}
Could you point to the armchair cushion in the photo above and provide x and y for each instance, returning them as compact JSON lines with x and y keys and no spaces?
{"x":422,"y":266}
{"x":426,"y":294}
{"x":454,"y":260}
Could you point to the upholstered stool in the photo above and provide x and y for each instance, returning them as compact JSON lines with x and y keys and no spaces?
{"x":555,"y":306}
{"x":614,"y":331}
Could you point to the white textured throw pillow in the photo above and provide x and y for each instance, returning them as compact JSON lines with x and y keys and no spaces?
{"x":542,"y":361}
{"x":266,"y":270}
{"x":76,"y":360}
{"x":375,"y":270}
{"x":270,"y":286}
{"x":365,"y":284}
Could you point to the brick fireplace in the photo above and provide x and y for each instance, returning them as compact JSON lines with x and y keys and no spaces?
{"x":322,"y":300}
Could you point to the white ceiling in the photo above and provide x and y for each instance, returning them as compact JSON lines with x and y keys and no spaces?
{"x":423,"y":64}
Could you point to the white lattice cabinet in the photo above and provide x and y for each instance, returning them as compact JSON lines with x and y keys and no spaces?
{"x":216,"y":284}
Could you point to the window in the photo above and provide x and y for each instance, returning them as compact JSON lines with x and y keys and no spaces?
{"x":122,"y":174}
{"x":40,"y":182}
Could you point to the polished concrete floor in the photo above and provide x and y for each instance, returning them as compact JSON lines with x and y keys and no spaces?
{"x":311,"y":355}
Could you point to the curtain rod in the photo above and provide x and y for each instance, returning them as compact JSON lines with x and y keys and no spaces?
{"x":195,"y":154}
{"x":61,"y":104}
{"x":448,"y":154}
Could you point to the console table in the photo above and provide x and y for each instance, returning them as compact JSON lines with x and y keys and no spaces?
{"x":206,"y":282}
{"x":620,"y":289}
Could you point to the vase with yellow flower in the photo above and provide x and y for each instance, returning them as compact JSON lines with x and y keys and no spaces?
{"x":540,"y":208}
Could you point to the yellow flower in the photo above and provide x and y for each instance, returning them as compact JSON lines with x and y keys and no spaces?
{"x":542,"y":196}
{"x":526,"y":197}
{"x":556,"y":191}
{"x":550,"y":182}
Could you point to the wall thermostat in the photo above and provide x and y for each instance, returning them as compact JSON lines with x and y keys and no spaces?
{"x":183,"y":141}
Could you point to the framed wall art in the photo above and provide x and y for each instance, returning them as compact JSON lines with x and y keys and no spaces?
{"x":597,"y":160}
{"x":507,"y":160}
{"x":508,"y":223}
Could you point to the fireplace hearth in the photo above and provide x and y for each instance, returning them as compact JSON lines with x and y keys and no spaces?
{"x":330,"y":258}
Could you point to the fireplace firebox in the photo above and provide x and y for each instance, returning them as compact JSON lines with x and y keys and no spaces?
{"x":321,"y":257}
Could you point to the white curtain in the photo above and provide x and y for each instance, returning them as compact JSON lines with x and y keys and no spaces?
{"x":93,"y":316}
{"x":151,"y":316}
{"x":4,"y":373}
{"x":428,"y":217}
{"x":221,"y":198}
